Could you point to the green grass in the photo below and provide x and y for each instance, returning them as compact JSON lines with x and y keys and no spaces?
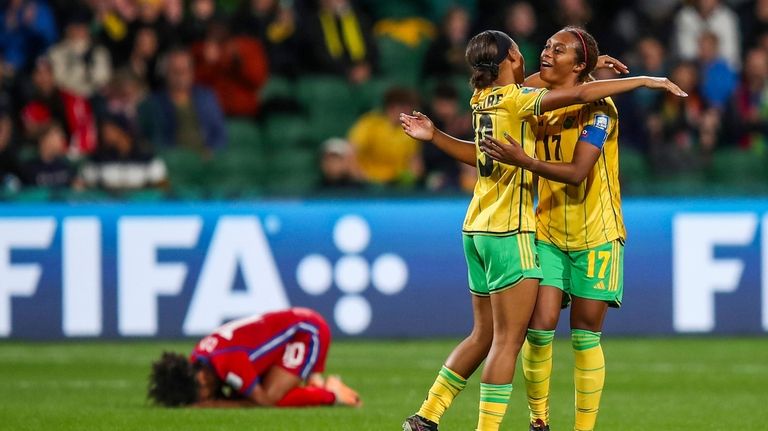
{"x":652,"y":384}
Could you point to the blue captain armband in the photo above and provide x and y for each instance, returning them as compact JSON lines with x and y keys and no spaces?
{"x":597,"y":133}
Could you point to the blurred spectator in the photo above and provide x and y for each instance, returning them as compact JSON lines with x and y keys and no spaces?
{"x":651,"y":55}
{"x":682,"y":130}
{"x":445,"y":56}
{"x":338,"y":40}
{"x":112,"y":21}
{"x":144,"y":54}
{"x":196,"y":21}
{"x":80,"y":65}
{"x":749,"y":114}
{"x":384,"y":154}
{"x":28,"y":29}
{"x":337,"y":164}
{"x":629,"y":24}
{"x":9,"y":168}
{"x":124,"y":94}
{"x":234,"y":66}
{"x":183,"y":114}
{"x":120,"y":164}
{"x":521,"y":24}
{"x":708,"y":15}
{"x":151,"y":14}
{"x":572,"y":12}
{"x":50,"y":167}
{"x":440,"y":170}
{"x":44,"y":99}
{"x":648,"y":58}
{"x":717,"y":78}
{"x":753,"y":17}
{"x":274,"y":24}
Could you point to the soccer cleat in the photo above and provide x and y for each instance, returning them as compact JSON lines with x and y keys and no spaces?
{"x":418,"y":423}
{"x":538,"y":425}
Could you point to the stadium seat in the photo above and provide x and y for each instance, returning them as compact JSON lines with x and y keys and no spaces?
{"x":399,"y":62}
{"x":243,"y":134}
{"x":187,"y":169}
{"x":283,"y":130}
{"x":331,"y":103}
{"x":32,"y":194}
{"x":277,"y":88}
{"x":293,"y":171}
{"x":633,"y":166}
{"x":459,"y":82}
{"x":734,"y":167}
{"x":370,"y":95}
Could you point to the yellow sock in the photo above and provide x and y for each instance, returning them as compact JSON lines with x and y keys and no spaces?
{"x":588,"y":377}
{"x":493,"y":405}
{"x":446,"y":387}
{"x":537,"y":369}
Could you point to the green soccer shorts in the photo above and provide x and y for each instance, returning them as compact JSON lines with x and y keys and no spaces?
{"x":497,"y":263}
{"x":595,"y":273}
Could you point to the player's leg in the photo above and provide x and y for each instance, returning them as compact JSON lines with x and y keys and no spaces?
{"x":597,"y":283}
{"x":304,"y":354}
{"x":513,"y":274}
{"x":466,"y":357}
{"x":537,"y":349}
{"x":512,"y":310}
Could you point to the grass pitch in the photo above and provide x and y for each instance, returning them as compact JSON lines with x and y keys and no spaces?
{"x":681,"y":384}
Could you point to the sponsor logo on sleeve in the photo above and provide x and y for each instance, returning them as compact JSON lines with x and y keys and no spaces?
{"x":601,"y":121}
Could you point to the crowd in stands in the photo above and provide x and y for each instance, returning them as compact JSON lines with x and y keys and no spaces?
{"x":276,"y":96}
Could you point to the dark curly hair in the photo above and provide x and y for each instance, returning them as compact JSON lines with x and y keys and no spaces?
{"x":586,"y":53}
{"x":172,"y":381}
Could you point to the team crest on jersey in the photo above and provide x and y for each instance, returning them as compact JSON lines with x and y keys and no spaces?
{"x":601,"y":121}
{"x":568,"y":123}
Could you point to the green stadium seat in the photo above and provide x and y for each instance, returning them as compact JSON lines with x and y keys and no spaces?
{"x":459,"y":82}
{"x":734,"y":167}
{"x":399,"y":62}
{"x":370,"y":95}
{"x":32,"y":194}
{"x":332,"y":105}
{"x":278,"y":88}
{"x":243,"y":134}
{"x":293,"y":172}
{"x":187,"y":168}
{"x":148,"y":195}
{"x":633,"y":166}
{"x":283,"y":130}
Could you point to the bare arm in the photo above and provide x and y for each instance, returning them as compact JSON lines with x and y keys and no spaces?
{"x":603,"y":62}
{"x":596,"y":90}
{"x":584,"y":157}
{"x":419,"y":126}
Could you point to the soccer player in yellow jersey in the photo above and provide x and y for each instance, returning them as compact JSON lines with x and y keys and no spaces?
{"x":499,"y":246}
{"x":580,"y":229}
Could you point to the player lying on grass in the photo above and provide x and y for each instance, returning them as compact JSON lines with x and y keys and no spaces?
{"x":275,"y":359}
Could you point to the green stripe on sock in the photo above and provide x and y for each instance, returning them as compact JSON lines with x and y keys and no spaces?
{"x":582,"y":339}
{"x":540,"y":337}
{"x":452,"y":376}
{"x":495,"y":393}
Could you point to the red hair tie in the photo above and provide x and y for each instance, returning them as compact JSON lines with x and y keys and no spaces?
{"x":583,"y":45}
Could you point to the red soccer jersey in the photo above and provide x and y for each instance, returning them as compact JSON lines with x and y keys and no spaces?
{"x":241,"y":351}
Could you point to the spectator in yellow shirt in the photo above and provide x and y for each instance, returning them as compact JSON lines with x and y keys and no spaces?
{"x":383,"y":153}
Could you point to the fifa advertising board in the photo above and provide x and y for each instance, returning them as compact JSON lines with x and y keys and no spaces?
{"x":373,"y":268}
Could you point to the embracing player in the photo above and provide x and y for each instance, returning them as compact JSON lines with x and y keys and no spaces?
{"x":499,"y":228}
{"x":275,"y":359}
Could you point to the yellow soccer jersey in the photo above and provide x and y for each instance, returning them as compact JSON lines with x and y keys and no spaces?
{"x":589,"y":214}
{"x":502,"y":203}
